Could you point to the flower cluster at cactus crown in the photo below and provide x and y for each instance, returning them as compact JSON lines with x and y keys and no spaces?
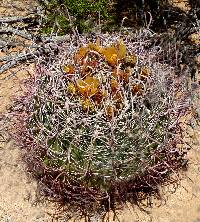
{"x":106,"y":88}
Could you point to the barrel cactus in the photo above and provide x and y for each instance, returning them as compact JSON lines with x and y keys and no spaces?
{"x":101,"y":122}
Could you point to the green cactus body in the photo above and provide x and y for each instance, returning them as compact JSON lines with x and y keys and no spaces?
{"x":103,"y":120}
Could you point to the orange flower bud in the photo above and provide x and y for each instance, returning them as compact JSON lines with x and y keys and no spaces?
{"x":144,"y":73}
{"x":114,"y":85}
{"x":131,"y":60}
{"x":137,"y":88}
{"x":69,"y":69}
{"x":110,"y":111}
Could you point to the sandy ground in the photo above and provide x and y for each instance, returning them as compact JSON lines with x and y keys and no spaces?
{"x":18,"y":196}
{"x":18,"y":193}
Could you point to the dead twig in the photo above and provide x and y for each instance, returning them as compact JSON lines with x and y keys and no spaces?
{"x":14,"y":19}
{"x":13,"y":61}
{"x":16,"y":32}
{"x":4,"y":44}
{"x":42,"y":45}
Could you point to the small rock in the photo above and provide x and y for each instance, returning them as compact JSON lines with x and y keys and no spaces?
{"x":198,"y":112}
{"x":39,"y":216}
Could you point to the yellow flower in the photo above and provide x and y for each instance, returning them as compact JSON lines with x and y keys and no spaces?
{"x":87,"y":105}
{"x":88,"y":86}
{"x":121,"y":49}
{"x":95,"y":46}
{"x":114,"y":53}
{"x":110,"y":54}
{"x":80,"y":55}
{"x":71,"y":88}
